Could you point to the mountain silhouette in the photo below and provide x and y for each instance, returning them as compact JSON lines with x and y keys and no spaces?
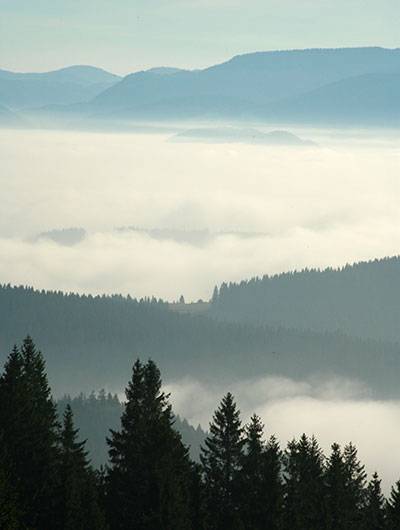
{"x":65,"y":86}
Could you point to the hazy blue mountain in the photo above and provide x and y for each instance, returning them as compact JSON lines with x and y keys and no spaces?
{"x":360,"y":300}
{"x":241,"y":87}
{"x":91,"y":342}
{"x":66,"y":86}
{"x":238,"y":135}
{"x":366,"y":99}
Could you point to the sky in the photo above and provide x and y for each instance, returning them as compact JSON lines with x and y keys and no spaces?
{"x":129,"y":35}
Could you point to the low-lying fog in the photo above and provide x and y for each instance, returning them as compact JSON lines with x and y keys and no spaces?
{"x":245,"y":209}
{"x":334,"y":410}
{"x":208,"y":213}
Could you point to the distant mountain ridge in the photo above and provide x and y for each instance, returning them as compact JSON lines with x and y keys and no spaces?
{"x":356,"y":86}
{"x":66,"y":86}
{"x":250,"y":86}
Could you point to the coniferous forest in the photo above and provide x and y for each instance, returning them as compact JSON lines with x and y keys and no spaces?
{"x":244,"y":479}
{"x":90,"y":341}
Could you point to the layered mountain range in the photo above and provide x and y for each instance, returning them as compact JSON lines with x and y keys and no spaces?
{"x":357,"y":86}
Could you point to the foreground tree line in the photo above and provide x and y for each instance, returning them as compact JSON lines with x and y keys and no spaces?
{"x":241,"y":483}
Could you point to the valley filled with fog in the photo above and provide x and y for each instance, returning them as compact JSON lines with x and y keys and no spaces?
{"x":162,"y":218}
{"x":139,"y":214}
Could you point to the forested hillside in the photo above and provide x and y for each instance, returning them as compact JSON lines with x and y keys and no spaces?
{"x":92,"y":341}
{"x":360,"y":300}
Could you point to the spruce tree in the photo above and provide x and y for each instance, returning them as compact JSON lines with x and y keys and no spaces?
{"x":336,"y":491}
{"x":393,"y":508}
{"x":304,"y":485}
{"x":356,"y":479}
{"x":28,"y":424}
{"x":79,"y":508}
{"x":221,"y":459}
{"x":273,"y":473}
{"x":13,"y":402}
{"x":148,"y":480}
{"x":38,"y":454}
{"x":260,"y":483}
{"x":374,"y":510}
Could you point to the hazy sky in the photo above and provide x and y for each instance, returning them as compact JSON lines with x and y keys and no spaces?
{"x":127,"y":35}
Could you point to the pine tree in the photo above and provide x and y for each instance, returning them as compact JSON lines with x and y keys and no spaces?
{"x":355,"y":487}
{"x":393,"y":508}
{"x":28,"y":424}
{"x":38,"y":454}
{"x":149,"y":475}
{"x":214,"y":298}
{"x":374,"y":510}
{"x":260,"y":484}
{"x":79,"y":508}
{"x":275,"y":486}
{"x":336,"y":484}
{"x":221,"y":459}
{"x":304,"y":485}
{"x":13,"y":401}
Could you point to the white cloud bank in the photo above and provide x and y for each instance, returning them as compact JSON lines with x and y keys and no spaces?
{"x":309,"y":207}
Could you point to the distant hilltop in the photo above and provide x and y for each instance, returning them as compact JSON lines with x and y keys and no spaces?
{"x":346,"y":86}
{"x":238,"y":135}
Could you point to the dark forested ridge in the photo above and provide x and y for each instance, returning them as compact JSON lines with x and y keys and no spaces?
{"x":360,"y":300}
{"x":91,"y":341}
{"x":243,"y":481}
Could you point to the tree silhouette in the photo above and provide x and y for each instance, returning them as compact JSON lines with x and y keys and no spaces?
{"x":149,"y":474}
{"x":221,"y":458}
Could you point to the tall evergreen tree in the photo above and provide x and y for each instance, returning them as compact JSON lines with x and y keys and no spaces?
{"x":393,"y":508}
{"x":149,"y":474}
{"x":304,"y":485}
{"x":374,"y":510}
{"x":336,"y":491}
{"x":356,"y":479}
{"x":38,"y":455}
{"x":13,"y":403}
{"x":221,"y":459}
{"x":79,"y":508}
{"x":273,"y":473}
{"x":260,"y":481}
{"x":28,"y":423}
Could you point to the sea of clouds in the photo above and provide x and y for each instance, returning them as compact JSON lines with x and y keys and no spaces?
{"x":267,"y":209}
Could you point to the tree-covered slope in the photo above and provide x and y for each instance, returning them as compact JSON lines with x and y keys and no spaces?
{"x":91,"y":342}
{"x":360,"y":300}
